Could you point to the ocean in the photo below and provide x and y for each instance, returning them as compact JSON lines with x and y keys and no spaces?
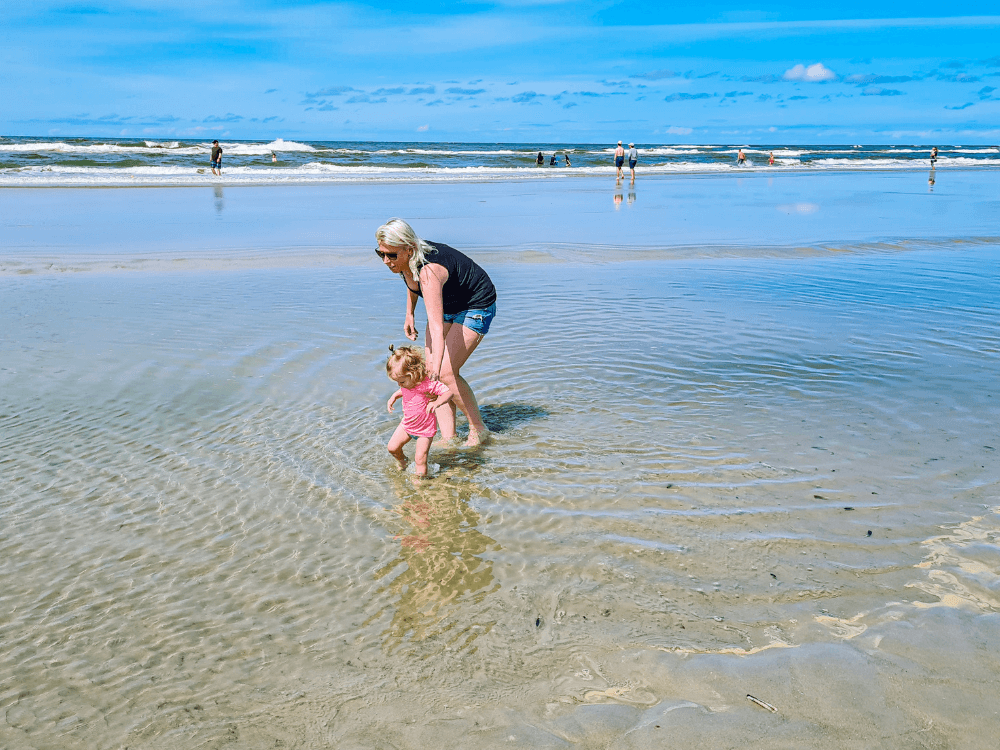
{"x":745,"y":443}
{"x":28,"y":161}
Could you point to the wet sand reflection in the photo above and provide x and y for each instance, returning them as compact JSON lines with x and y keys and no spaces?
{"x":441,"y":564}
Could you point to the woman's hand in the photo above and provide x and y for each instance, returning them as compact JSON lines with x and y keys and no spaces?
{"x":410,"y":328}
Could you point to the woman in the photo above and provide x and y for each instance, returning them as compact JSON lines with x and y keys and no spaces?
{"x":460,"y":301}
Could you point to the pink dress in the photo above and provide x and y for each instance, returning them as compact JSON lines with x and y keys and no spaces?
{"x":416,"y":421}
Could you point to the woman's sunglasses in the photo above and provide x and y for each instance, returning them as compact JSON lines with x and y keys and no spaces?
{"x":383,"y":256}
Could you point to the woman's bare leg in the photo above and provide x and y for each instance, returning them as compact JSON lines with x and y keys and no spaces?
{"x":459,"y":343}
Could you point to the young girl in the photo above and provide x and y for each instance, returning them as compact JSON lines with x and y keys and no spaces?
{"x":422,"y":397}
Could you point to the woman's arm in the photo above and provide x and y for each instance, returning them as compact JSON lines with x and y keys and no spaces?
{"x":432,"y":280}
{"x":409,"y":326}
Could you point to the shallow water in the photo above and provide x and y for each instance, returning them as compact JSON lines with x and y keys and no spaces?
{"x":709,"y":477}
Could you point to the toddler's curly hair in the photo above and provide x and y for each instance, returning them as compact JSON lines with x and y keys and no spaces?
{"x":408,"y":360}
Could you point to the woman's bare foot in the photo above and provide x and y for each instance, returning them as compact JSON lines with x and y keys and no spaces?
{"x":477,"y":438}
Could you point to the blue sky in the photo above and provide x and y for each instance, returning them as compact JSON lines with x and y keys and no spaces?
{"x":516,"y":71}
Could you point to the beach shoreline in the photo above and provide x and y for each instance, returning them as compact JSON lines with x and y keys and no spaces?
{"x":363,"y":175}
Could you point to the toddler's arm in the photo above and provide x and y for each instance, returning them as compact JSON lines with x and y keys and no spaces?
{"x":440,"y":399}
{"x":394,"y":398}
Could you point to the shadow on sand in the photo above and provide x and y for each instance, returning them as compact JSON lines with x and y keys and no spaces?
{"x":505,"y":417}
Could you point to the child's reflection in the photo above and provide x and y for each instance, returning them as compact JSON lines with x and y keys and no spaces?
{"x":440,"y":565}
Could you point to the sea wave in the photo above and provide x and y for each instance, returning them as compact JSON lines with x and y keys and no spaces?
{"x":262,"y":149}
{"x":154,"y":147}
{"x":146,"y":147}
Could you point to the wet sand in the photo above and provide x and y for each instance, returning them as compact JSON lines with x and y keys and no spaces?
{"x":720,"y":468}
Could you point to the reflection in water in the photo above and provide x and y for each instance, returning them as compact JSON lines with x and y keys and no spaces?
{"x":220,"y":202}
{"x":618,"y":196}
{"x":931,"y":179}
{"x":441,"y":548}
{"x":631,"y":194}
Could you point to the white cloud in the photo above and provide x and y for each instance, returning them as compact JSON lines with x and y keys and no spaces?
{"x":423,"y":128}
{"x":812,"y":74}
{"x":674,"y":130}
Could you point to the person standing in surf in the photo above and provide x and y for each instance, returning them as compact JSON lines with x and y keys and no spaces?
{"x":619,"y":160}
{"x":216,"y":159}
{"x":633,"y":158}
{"x":460,"y":301}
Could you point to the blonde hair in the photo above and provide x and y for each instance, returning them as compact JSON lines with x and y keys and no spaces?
{"x":396,"y":233}
{"x":407,"y":360}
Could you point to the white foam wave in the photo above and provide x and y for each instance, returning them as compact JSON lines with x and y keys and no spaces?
{"x":97,"y":148}
{"x":155,"y":147}
{"x":440,"y":152}
{"x":668,"y":151}
{"x":262,"y":149}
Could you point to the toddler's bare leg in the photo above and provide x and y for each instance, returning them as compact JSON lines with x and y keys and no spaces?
{"x":396,"y":442}
{"x":420,"y":456}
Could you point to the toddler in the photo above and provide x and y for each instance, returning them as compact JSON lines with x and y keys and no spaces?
{"x":422,"y":397}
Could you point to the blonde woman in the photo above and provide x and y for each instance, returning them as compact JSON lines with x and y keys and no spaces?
{"x":460,"y":301}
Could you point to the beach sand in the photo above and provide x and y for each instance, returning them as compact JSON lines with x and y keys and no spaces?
{"x":745,"y":442}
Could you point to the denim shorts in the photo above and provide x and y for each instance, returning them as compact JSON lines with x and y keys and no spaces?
{"x":475,"y":320}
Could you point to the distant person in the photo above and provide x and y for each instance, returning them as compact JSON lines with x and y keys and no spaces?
{"x":633,"y":157}
{"x":741,"y":159}
{"x":933,"y":156}
{"x":566,"y":156}
{"x":540,"y":159}
{"x":619,"y":160}
{"x":216,"y":159}
{"x":770,"y":160}
{"x":422,"y":397}
{"x":274,"y":158}
{"x":552,"y":161}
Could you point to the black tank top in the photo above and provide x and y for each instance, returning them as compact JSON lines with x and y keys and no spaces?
{"x":468,"y":286}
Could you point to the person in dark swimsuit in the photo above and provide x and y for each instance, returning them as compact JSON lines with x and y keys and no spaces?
{"x":216,"y":159}
{"x":619,"y":160}
{"x":460,"y":301}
